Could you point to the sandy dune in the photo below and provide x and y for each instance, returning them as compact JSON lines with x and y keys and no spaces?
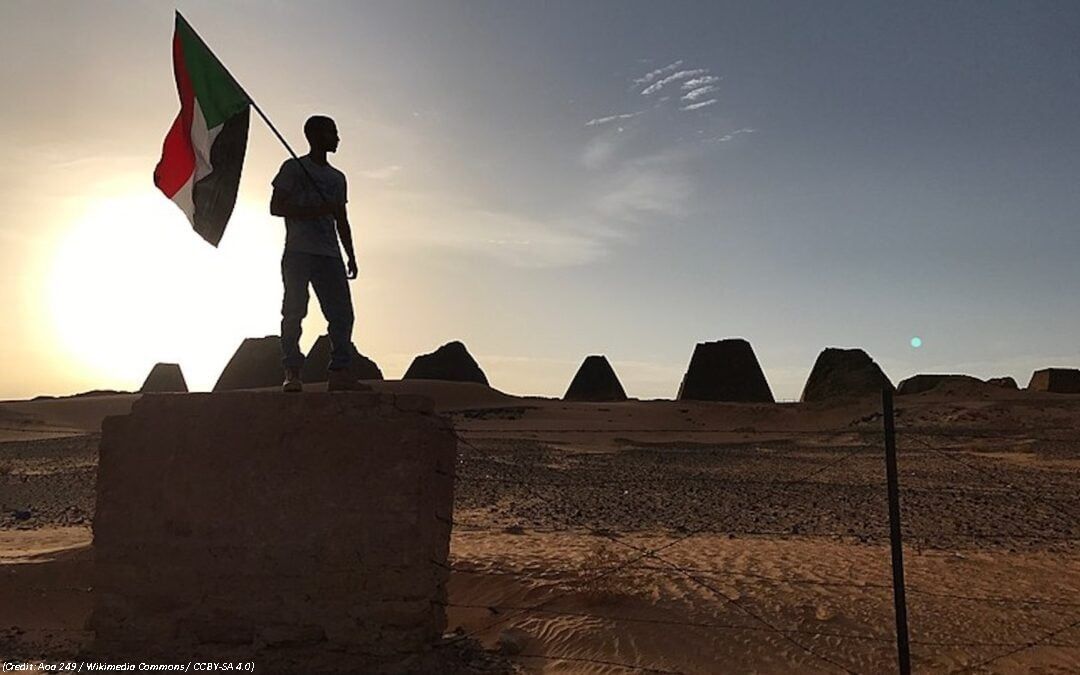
{"x":45,"y":591}
{"x":59,"y":417}
{"x":831,"y":601}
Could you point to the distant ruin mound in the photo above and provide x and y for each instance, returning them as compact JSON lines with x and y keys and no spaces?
{"x":83,"y":394}
{"x":844,"y":373}
{"x":317,"y":363}
{"x":1003,"y":382}
{"x":725,"y":370}
{"x":256,"y":364}
{"x":949,"y":385}
{"x":595,"y":381}
{"x":1056,"y":380}
{"x":917,"y":384}
{"x":451,"y":362}
{"x":164,"y":377}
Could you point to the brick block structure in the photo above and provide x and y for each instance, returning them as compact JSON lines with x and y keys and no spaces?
{"x":164,"y":377}
{"x":451,"y":362}
{"x":255,"y":364}
{"x":595,"y":381}
{"x":317,"y":363}
{"x":725,"y":370}
{"x":1059,"y":380}
{"x":844,"y":373}
{"x":306,"y":532}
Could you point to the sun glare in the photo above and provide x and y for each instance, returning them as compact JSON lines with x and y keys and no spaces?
{"x":131,"y":285}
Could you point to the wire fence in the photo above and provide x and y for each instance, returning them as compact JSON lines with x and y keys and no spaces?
{"x":492,"y":469}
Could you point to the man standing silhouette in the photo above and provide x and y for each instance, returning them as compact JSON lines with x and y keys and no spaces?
{"x":311,"y":195}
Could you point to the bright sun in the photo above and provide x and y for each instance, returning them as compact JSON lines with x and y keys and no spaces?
{"x":131,"y":284}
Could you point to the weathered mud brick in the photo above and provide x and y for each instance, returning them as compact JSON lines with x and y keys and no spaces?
{"x":258,"y":524}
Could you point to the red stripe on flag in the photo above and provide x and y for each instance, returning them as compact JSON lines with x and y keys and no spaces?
{"x":177,"y":155}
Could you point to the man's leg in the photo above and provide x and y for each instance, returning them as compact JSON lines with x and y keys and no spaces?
{"x":295,"y":275}
{"x":332,"y":289}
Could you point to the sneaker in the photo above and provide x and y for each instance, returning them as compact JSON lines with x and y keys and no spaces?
{"x":344,"y":380}
{"x":293,"y":382}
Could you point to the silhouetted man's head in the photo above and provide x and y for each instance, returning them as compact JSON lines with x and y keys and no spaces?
{"x":321,"y":133}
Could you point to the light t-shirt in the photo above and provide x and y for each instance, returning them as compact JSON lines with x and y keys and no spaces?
{"x":311,"y":235}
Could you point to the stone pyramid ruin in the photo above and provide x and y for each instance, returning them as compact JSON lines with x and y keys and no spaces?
{"x":318,"y":362}
{"x":451,"y":362}
{"x":1056,"y":380}
{"x":844,"y":373}
{"x":164,"y":377}
{"x":595,"y":381}
{"x":256,"y":364}
{"x":725,"y":370}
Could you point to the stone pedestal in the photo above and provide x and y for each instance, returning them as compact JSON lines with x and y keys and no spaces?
{"x":300,"y":531}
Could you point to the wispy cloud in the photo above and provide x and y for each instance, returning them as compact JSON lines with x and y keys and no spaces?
{"x":698,"y":93}
{"x":650,"y":76}
{"x":530,"y":243}
{"x":382,"y":173}
{"x":728,"y":136}
{"x":505,"y":237}
{"x":700,"y":82}
{"x":695,"y":85}
{"x":681,"y":75}
{"x":611,"y":118}
{"x":646,"y":188}
{"x":637,"y":179}
{"x":698,"y":106}
{"x":600,"y":149}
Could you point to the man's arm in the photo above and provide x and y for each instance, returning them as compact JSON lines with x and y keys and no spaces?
{"x":341,"y":217}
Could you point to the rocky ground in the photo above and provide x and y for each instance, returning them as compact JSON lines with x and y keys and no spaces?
{"x":951,"y":499}
{"x":960,"y":495}
{"x":48,"y":482}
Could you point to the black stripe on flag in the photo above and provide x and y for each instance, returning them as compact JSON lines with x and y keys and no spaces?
{"x":215,"y":194}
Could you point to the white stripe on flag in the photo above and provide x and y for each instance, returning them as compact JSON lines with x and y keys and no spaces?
{"x":202,"y":139}
{"x":184,"y":199}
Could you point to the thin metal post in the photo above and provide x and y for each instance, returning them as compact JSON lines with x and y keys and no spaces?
{"x":903,"y":650}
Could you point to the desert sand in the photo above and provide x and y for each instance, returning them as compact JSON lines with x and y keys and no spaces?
{"x":673,"y":537}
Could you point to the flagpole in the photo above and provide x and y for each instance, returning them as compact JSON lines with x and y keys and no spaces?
{"x":254,"y":105}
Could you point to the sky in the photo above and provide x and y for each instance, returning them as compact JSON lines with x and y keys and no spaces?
{"x":549,"y":180}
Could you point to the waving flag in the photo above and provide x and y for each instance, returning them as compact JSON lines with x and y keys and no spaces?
{"x":204,"y":150}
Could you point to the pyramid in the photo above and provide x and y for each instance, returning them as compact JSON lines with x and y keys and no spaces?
{"x":840,"y":373}
{"x":1058,"y":380}
{"x":318,"y":361}
{"x":726,"y":370}
{"x":164,"y":377}
{"x":256,"y":364}
{"x":449,"y":362}
{"x":1003,"y":382}
{"x":595,"y":381}
{"x":917,"y":384}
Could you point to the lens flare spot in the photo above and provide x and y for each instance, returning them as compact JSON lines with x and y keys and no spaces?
{"x":916,"y":342}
